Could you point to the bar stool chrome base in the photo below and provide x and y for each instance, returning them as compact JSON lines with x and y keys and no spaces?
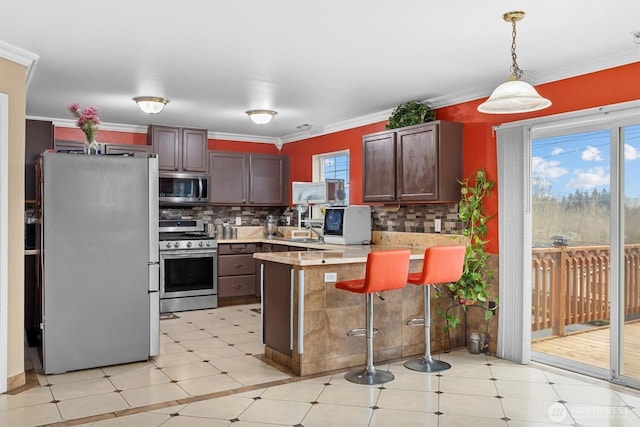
{"x":426,"y":364}
{"x":369,"y":376}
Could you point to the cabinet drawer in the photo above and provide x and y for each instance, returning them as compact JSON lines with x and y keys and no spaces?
{"x":236,"y":286}
{"x":236,"y":248}
{"x":235,"y":265}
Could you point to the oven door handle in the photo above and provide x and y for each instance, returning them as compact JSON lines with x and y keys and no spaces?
{"x":187,"y":254}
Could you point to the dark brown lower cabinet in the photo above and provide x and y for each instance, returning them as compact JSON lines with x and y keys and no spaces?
{"x":276,"y":303}
{"x":236,"y":273}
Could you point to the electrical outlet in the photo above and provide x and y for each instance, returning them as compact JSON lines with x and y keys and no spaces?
{"x":437,"y":225}
{"x":238,"y":220}
{"x":330,"y":277}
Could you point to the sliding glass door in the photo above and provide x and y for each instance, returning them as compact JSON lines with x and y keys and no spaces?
{"x":585,"y":270}
{"x":628,"y":363}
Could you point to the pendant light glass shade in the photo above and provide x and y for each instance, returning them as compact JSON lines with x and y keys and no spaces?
{"x":261,"y":117}
{"x":151,"y":104}
{"x":514,"y":96}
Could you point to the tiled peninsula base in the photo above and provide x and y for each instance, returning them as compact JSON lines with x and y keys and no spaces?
{"x":322,"y":315}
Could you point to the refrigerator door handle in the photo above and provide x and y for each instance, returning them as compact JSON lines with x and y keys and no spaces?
{"x":154,"y":277}
{"x":154,"y":323}
{"x":154,"y":249}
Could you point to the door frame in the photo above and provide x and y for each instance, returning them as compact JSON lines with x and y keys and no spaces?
{"x":4,"y":240}
{"x":514,"y":146}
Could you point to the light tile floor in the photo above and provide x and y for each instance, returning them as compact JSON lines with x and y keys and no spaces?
{"x":208,"y":375}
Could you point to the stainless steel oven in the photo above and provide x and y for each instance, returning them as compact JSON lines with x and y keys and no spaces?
{"x":188,"y":266}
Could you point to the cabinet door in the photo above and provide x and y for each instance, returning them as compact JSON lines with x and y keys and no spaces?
{"x":268,"y":179}
{"x":126,"y":148}
{"x":379,"y":170}
{"x":229,"y":178}
{"x":277,"y":306}
{"x":235,"y":265}
{"x":166,"y":143}
{"x":236,"y":286}
{"x":417,"y":163}
{"x":194,"y":150}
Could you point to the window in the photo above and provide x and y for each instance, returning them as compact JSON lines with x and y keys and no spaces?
{"x":332,"y":166}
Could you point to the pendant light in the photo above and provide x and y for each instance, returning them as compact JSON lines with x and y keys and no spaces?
{"x":514,"y":96}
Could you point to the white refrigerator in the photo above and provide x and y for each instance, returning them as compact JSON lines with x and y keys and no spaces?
{"x":100,"y":260}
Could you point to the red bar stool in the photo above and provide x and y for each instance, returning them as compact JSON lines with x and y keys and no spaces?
{"x":385,"y":270}
{"x":442,"y":264}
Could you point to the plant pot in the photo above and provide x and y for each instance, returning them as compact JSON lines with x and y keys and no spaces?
{"x":464,"y":301}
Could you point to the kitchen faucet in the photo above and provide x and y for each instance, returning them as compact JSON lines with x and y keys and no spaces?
{"x":316,"y":232}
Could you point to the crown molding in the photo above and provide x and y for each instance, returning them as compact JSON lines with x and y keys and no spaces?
{"x":20,"y":56}
{"x":586,"y":67}
{"x":117,"y":127}
{"x":598,"y":64}
{"x":314,"y":131}
{"x":244,"y":138}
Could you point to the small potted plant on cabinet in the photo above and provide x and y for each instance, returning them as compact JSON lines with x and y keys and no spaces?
{"x":472,"y":288}
{"x":411,"y":113}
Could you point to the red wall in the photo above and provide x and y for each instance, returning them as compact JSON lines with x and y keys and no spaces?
{"x":611,"y":86}
{"x":300,"y":155}
{"x":245,"y":147}
{"x":114,"y":137}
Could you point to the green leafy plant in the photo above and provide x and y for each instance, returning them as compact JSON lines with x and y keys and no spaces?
{"x":411,"y":113}
{"x":472,"y":288}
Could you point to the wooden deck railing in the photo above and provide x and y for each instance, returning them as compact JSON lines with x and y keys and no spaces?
{"x":571,"y":285}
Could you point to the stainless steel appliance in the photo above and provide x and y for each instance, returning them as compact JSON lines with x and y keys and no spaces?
{"x":347,"y":225}
{"x":177,"y":188}
{"x":188,"y":266}
{"x":271,"y":227}
{"x":100,"y":271}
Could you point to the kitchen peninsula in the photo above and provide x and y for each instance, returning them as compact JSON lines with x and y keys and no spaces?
{"x":305,"y":318}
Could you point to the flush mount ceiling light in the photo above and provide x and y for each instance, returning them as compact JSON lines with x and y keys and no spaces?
{"x":514,"y":96}
{"x":151,"y":104}
{"x":261,"y":117}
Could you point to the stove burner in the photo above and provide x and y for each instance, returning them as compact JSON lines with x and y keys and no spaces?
{"x":184,"y":235}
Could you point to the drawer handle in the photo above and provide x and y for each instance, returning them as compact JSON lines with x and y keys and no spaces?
{"x":237,"y":286}
{"x":237,"y":265}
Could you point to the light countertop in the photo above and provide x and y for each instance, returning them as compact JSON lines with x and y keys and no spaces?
{"x":349,"y":254}
{"x":327,"y":254}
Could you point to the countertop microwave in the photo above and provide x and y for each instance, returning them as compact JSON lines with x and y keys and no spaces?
{"x":183,"y":188}
{"x":347,"y":225}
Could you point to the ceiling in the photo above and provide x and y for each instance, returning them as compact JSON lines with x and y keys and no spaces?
{"x":324,"y":64}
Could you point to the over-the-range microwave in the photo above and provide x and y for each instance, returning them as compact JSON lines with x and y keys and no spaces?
{"x":183,"y":188}
{"x":347,"y":225}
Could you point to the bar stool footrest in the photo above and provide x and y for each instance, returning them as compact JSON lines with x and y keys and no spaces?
{"x":418,"y":321}
{"x":360,"y":332}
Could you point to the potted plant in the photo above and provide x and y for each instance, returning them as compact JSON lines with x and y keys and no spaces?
{"x":472,"y":288}
{"x":411,"y":113}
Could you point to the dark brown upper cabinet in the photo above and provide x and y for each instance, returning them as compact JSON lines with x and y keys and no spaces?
{"x":421,"y":163}
{"x":239,"y":179}
{"x":179,"y":149}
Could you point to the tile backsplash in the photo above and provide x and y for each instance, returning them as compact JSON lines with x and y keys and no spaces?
{"x":404,"y":218}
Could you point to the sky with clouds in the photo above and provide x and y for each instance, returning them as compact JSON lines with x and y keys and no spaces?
{"x":582,"y":162}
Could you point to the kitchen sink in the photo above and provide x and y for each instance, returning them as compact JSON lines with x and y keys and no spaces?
{"x":304,"y":240}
